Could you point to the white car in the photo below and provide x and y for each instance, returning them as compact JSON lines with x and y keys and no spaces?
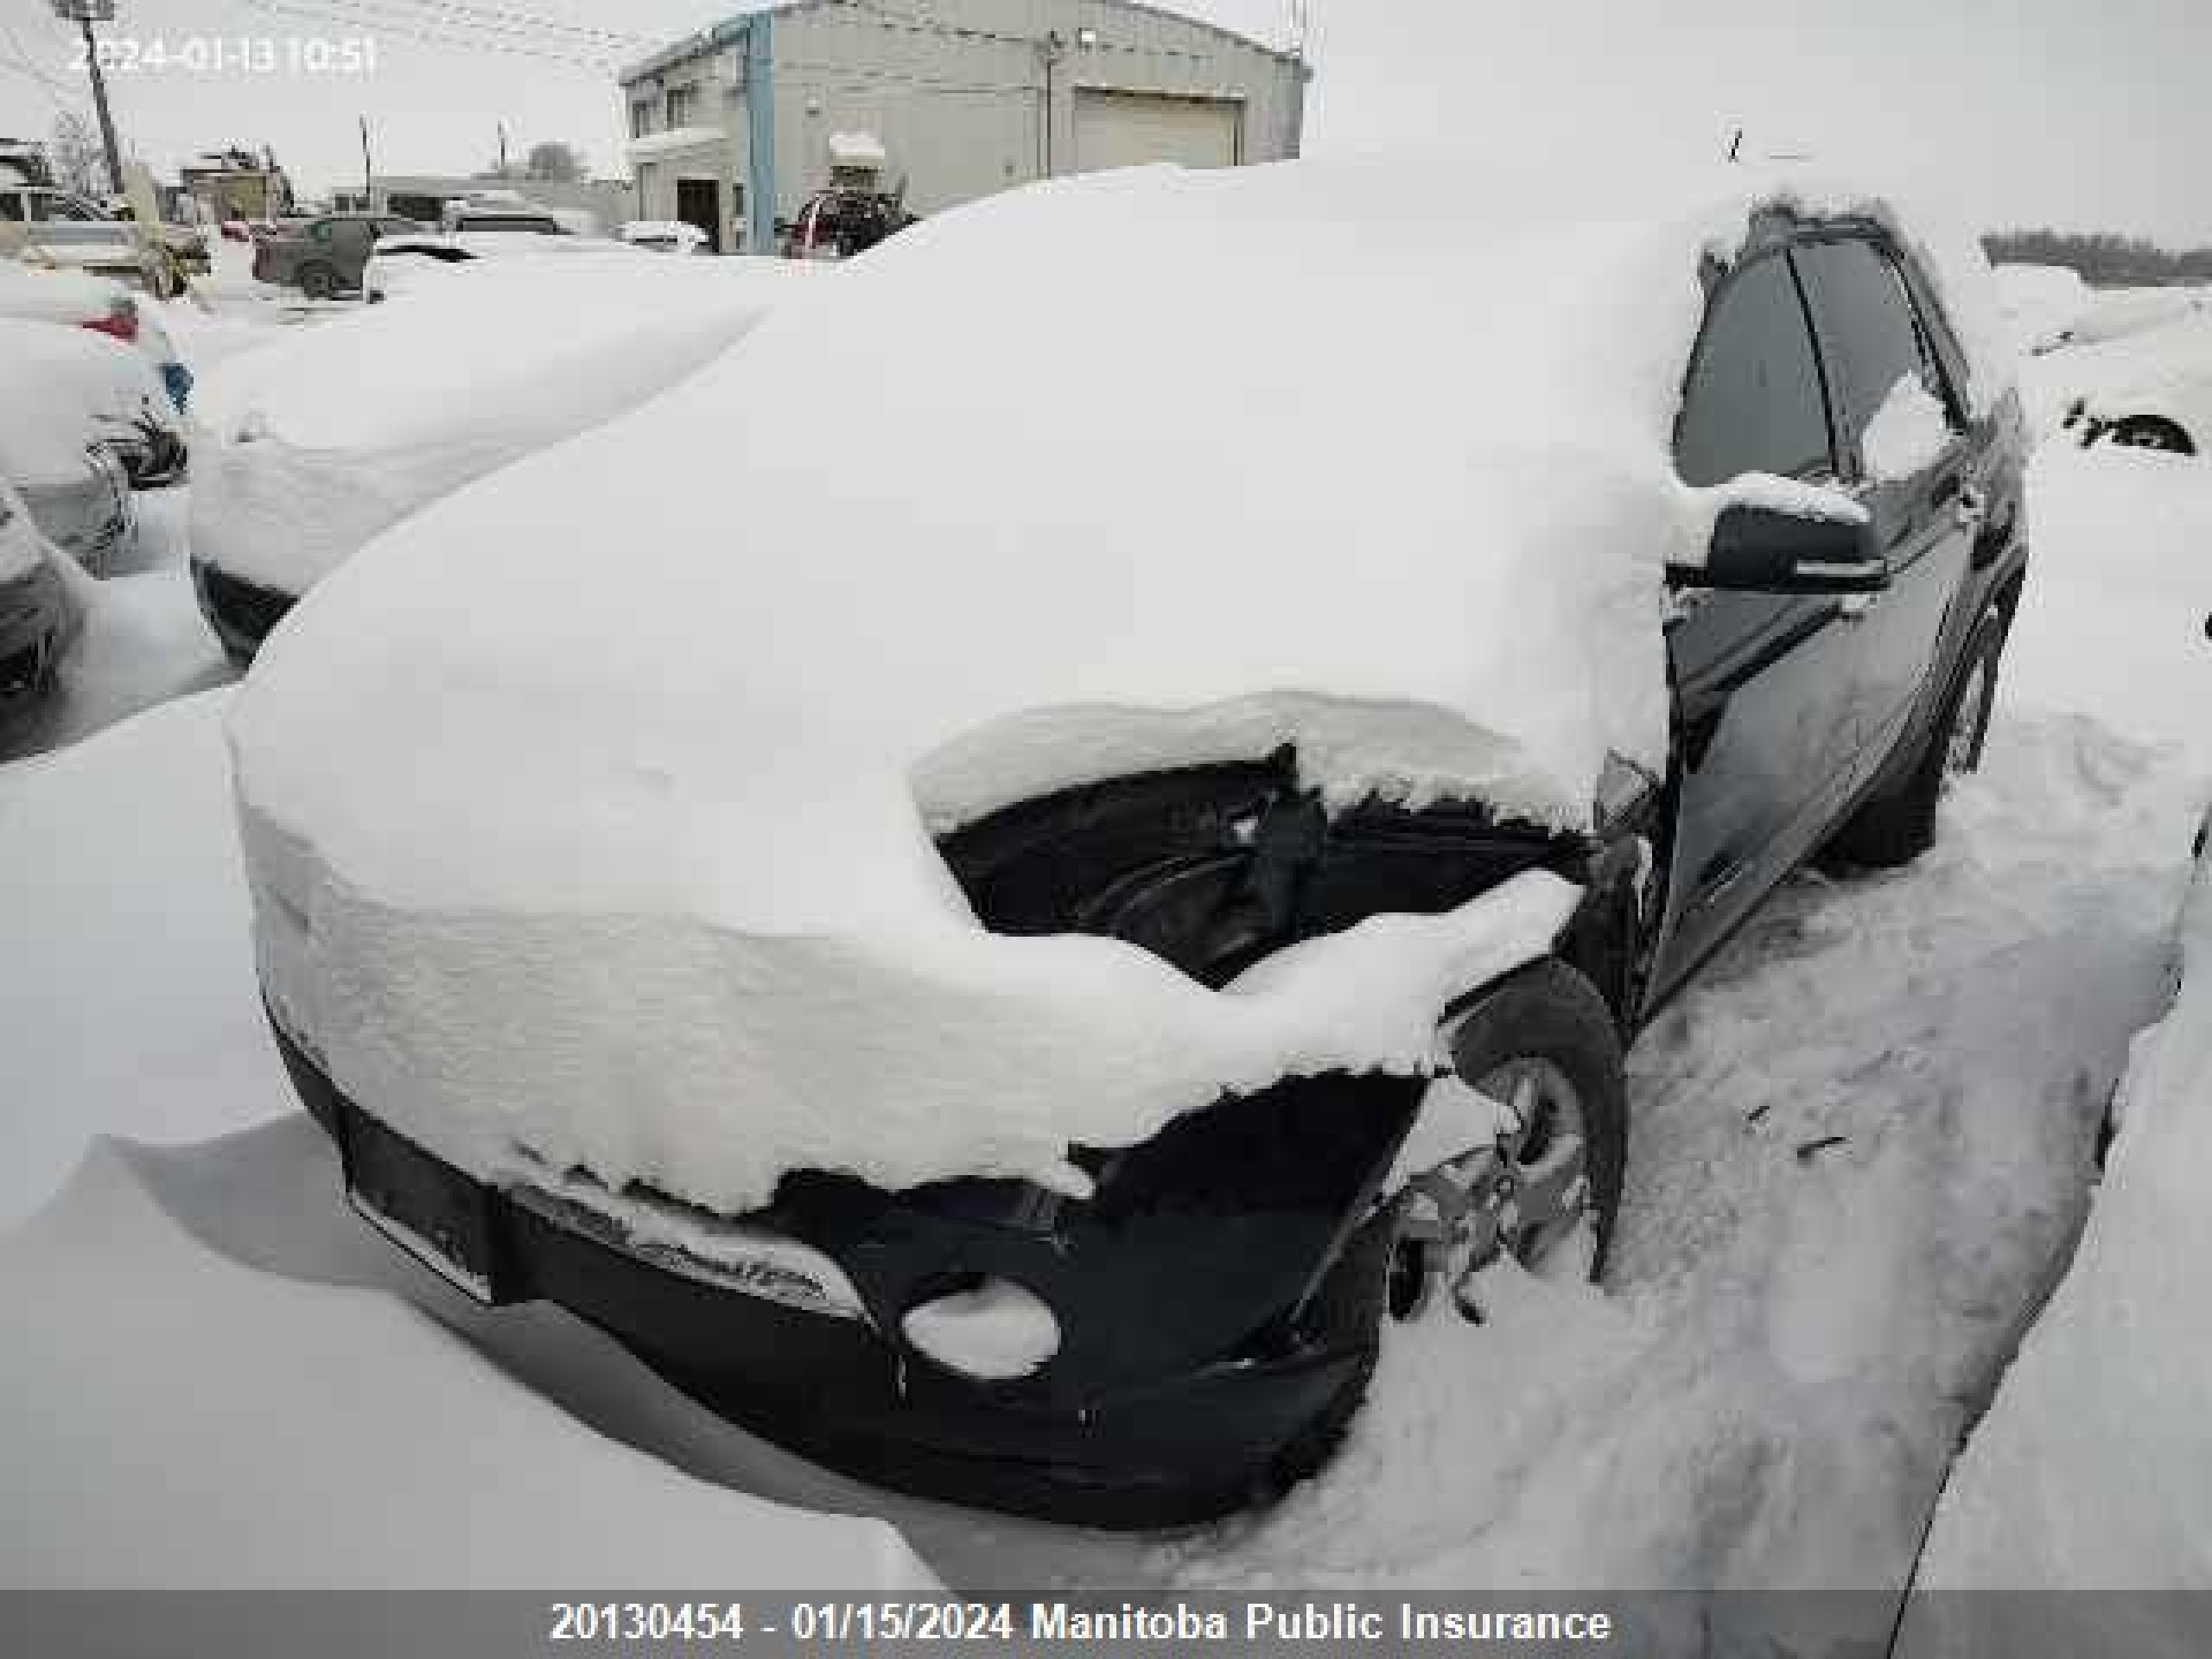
{"x":85,"y":300}
{"x":2154,"y":391}
{"x":310,"y":446}
{"x":34,"y":608}
{"x":665,"y":236}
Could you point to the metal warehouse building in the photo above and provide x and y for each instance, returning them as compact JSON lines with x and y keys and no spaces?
{"x":731,"y":129}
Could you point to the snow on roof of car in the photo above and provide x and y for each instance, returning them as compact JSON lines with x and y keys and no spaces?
{"x":322,"y":438}
{"x":1143,"y":470}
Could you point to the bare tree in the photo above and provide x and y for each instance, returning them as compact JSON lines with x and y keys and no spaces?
{"x":75,"y":156}
{"x":554,"y":161}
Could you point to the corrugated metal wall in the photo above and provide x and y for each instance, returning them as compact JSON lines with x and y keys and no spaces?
{"x":970,"y":98}
{"x":971,"y":95}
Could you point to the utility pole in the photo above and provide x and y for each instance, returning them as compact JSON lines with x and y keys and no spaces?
{"x":503,"y":150}
{"x":85,"y":14}
{"x":368,"y":173}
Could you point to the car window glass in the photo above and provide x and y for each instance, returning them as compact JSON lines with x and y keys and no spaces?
{"x":1753,"y":404}
{"x":1868,"y":334}
{"x":11,"y":207}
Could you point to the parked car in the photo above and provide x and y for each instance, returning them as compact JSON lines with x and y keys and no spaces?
{"x":841,"y":224}
{"x":1002,"y":947}
{"x":313,"y":444}
{"x":39,"y":294}
{"x":2162,"y":401}
{"x":82,"y":388}
{"x":60,"y":424}
{"x":34,"y":606}
{"x":323,"y":257}
{"x":666,"y":236}
{"x":405,"y":263}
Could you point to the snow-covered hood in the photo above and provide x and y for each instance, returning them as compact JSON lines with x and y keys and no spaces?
{"x":318,"y":441}
{"x":1144,"y":470}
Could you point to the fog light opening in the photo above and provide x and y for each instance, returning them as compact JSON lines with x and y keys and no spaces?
{"x":992,"y":1330}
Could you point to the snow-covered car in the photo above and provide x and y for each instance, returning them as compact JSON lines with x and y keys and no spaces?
{"x":1003,"y":945}
{"x":34,"y":605}
{"x":666,"y":236}
{"x":69,"y":388}
{"x":407,"y":262}
{"x":40,"y":294}
{"x":2041,"y":304}
{"x":2116,"y":313}
{"x":2161,"y":399}
{"x":308,"y":446}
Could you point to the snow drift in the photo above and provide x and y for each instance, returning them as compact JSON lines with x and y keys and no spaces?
{"x":321,"y":440}
{"x":2093,"y":1469}
{"x":637,"y":873}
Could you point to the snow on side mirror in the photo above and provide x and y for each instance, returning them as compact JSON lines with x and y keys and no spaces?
{"x":1764,"y":550}
{"x":1778,"y":535}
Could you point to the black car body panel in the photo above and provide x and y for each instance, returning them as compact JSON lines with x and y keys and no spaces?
{"x":1217,"y":1293}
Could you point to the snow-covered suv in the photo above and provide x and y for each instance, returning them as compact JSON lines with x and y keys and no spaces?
{"x":999,"y":880}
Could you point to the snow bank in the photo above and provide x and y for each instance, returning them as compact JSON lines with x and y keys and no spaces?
{"x":335,"y":1436}
{"x":320,"y":439}
{"x":129,"y":986}
{"x":1344,"y":472}
{"x":64,"y":389}
{"x":2093,"y":1469}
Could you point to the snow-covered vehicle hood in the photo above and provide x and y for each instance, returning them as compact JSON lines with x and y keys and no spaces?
{"x":2165,"y":371}
{"x":594,"y":816}
{"x":318,"y":441}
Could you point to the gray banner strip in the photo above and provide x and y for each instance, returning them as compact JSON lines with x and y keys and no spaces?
{"x":432,"y":1624}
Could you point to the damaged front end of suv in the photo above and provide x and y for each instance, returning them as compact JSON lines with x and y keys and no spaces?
{"x":1190,"y":1332}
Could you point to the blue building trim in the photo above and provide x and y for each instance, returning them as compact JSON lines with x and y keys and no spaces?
{"x":760,"y":120}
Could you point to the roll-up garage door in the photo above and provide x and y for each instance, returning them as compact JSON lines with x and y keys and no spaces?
{"x":1132,"y":129}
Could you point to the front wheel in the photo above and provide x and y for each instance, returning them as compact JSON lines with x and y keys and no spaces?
{"x":1542,"y":1044}
{"x":318,"y":282}
{"x":2151,"y":432}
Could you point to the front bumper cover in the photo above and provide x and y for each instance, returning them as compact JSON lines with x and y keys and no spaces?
{"x":1216,"y":1299}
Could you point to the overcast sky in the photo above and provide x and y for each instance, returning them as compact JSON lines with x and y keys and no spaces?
{"x":2087,"y":114}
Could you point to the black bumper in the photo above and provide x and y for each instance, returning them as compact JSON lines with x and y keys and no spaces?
{"x":242,"y":613}
{"x":1210,"y":1350}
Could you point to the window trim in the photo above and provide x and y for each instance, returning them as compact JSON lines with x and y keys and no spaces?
{"x":1846,"y":444}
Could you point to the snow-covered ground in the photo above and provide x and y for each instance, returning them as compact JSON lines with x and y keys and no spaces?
{"x":1860,"y":1148}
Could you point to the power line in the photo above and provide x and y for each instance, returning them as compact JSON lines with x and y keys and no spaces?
{"x":359,"y":15}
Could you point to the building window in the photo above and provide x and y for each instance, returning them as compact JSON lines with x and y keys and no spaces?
{"x":682,"y":105}
{"x":641,"y":117}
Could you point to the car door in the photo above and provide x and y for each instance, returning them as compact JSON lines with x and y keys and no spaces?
{"x":1764,"y":742}
{"x":1902,"y":440}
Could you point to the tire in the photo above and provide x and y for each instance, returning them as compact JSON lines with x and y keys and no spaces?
{"x":1899,"y":825}
{"x":1546,"y":1012}
{"x":318,"y":282}
{"x":1549,"y":1012}
{"x":2150,"y":432}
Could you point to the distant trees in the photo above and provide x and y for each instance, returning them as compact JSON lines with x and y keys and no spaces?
{"x":2102,"y":258}
{"x":554,"y":161}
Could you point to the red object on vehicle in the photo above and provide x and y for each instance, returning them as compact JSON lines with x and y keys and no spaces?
{"x":122,"y":323}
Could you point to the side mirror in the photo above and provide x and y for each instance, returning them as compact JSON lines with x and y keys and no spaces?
{"x":1759,"y":549}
